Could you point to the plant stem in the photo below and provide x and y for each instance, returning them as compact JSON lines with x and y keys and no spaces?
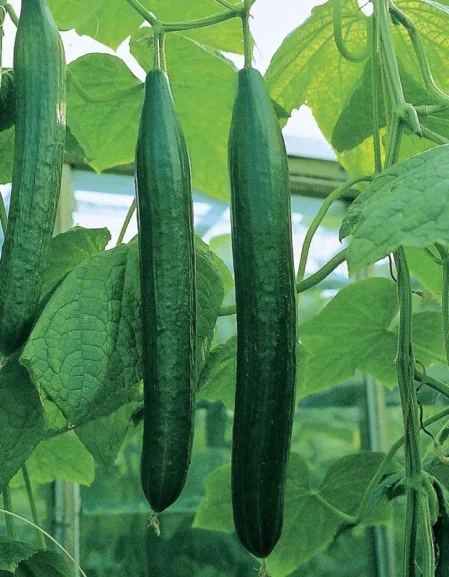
{"x":445,"y":297}
{"x":433,"y":136}
{"x":3,"y":215}
{"x":125,"y":225}
{"x":162,"y":53}
{"x":146,"y":15}
{"x":335,"y":195}
{"x":247,"y":48}
{"x":343,"y":516}
{"x":376,"y":92}
{"x":432,"y":383}
{"x":52,"y":539}
{"x":428,"y":569}
{"x":420,"y":52}
{"x":388,"y":459}
{"x":34,"y":513}
{"x":304,"y":285}
{"x":338,"y":37}
{"x":12,"y":14}
{"x":202,"y":23}
{"x":8,"y":507}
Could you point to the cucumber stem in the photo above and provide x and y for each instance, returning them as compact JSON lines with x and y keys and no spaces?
{"x":338,"y":37}
{"x":34,"y":513}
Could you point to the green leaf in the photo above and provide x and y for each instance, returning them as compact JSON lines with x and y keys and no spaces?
{"x":307,"y":68}
{"x":309,"y":526}
{"x":217,"y":379}
{"x":69,"y":249}
{"x":108,"y":130}
{"x":424,"y":269}
{"x":46,"y":564}
{"x":22,"y":419}
{"x":354,"y":331}
{"x":85,"y":349}
{"x":355,"y":122}
{"x":63,"y":457}
{"x":12,"y":552}
{"x":215,"y":512}
{"x":410,"y":199}
{"x":104,"y":437}
{"x":204,"y":94}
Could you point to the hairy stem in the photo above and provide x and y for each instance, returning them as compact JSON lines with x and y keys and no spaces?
{"x":126,"y":222}
{"x":203,"y":22}
{"x":146,"y":15}
{"x":34,"y":513}
{"x":338,"y":37}
{"x":388,"y":459}
{"x":335,"y":195}
{"x":11,"y":528}
{"x":444,"y":254}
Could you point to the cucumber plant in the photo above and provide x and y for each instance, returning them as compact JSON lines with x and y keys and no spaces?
{"x":79,"y":332}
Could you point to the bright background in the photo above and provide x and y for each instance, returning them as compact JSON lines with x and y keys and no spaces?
{"x":271,"y":22}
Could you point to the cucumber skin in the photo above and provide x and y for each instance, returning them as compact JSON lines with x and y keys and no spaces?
{"x":167,"y":267}
{"x":40,"y":111}
{"x":441,"y":533}
{"x":7,"y":100}
{"x":266,"y":316}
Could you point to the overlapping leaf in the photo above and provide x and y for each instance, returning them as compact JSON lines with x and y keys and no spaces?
{"x":85,"y":349}
{"x":407,"y":205}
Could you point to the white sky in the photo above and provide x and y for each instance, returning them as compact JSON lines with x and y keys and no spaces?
{"x":272,"y":21}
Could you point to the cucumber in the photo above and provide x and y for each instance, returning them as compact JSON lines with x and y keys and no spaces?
{"x":7,"y":100}
{"x":441,"y":534}
{"x":266,"y":315}
{"x":167,"y":274}
{"x":40,"y":119}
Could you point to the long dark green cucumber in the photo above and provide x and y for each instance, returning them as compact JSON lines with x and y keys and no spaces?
{"x":7,"y":100}
{"x":266,"y":316}
{"x":441,"y":533}
{"x":167,"y":268}
{"x":40,"y":95}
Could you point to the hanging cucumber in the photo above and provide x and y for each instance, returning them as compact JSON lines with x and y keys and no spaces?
{"x":40,"y":111}
{"x":441,"y":533}
{"x":167,"y":270}
{"x":266,"y":315}
{"x":7,"y":100}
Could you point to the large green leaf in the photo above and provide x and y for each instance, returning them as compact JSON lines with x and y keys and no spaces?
{"x":85,"y":349}
{"x":308,"y":67}
{"x":355,"y":331}
{"x":355,"y":122}
{"x":407,"y":205}
{"x":113,"y":21}
{"x":107,"y":129}
{"x":62,"y":457}
{"x":22,"y":419}
{"x":309,"y":526}
{"x":69,"y":249}
{"x":104,"y":437}
{"x":45,"y":564}
{"x":12,"y":552}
